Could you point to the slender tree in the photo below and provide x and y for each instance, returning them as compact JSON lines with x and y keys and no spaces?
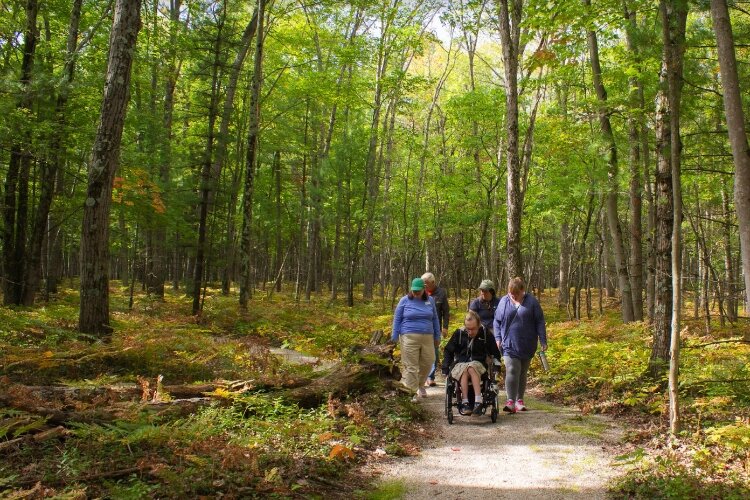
{"x":613,"y":218}
{"x":674,"y":21}
{"x":509,"y":18}
{"x":251,"y":158}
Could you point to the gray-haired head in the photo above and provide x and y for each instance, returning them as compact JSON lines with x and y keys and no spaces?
{"x":428,"y":278}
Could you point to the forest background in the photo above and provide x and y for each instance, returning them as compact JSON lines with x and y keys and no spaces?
{"x":327,"y":152}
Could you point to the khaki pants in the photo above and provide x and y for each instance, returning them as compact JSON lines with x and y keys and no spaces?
{"x":417,"y":356}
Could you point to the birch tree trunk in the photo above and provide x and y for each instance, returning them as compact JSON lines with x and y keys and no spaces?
{"x":105,"y":156}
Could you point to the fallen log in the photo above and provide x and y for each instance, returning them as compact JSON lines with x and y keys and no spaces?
{"x":55,"y":432}
{"x":110,"y":474}
{"x":14,"y":395}
{"x":365,"y":367}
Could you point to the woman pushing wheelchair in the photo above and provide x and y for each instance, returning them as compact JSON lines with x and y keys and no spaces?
{"x":469,"y":348}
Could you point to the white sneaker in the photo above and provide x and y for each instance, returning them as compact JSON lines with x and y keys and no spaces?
{"x":422,"y":392}
{"x":414,"y":398}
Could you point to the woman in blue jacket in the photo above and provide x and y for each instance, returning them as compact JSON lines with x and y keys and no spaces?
{"x":416,"y":323}
{"x":518,"y":328}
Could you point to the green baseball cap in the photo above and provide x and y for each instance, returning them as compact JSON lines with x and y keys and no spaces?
{"x":417,"y":285}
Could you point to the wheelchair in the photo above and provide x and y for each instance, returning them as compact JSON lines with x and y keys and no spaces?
{"x":490,"y":402}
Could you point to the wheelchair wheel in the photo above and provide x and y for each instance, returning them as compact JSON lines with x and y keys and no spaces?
{"x":449,"y":402}
{"x":495,"y":411}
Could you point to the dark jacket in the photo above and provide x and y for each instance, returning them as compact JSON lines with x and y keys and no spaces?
{"x":518,"y":330}
{"x":441,"y":304}
{"x":485,"y":310}
{"x":461,"y":348}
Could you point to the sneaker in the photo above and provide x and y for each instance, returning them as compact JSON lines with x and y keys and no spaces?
{"x":510,"y":406}
{"x":430,"y":383}
{"x":477,"y":409}
{"x":463,"y":406}
{"x":414,"y":398}
{"x":520,"y":406}
{"x":422,"y":392}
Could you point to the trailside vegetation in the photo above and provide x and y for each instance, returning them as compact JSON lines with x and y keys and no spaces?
{"x":185,"y":183}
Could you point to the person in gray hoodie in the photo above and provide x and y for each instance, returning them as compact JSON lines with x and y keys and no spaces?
{"x":518,"y":328}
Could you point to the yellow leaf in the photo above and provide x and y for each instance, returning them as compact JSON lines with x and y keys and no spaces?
{"x":341,"y":451}
{"x":272,"y":475}
{"x":49,"y":354}
{"x":221,"y":392}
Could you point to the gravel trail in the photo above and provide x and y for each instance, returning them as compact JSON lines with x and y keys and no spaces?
{"x":547,"y":452}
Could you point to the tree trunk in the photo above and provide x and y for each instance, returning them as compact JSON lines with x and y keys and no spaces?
{"x":636,"y":186}
{"x":277,"y":266}
{"x":94,"y":311}
{"x":206,"y":168}
{"x":737,"y":130}
{"x":674,"y":20}
{"x":729,"y":271}
{"x":372,"y":182}
{"x":160,"y":252}
{"x":15,"y":208}
{"x":623,"y":279}
{"x":563,"y":296}
{"x":51,"y":167}
{"x":251,"y":158}
{"x":510,"y":12}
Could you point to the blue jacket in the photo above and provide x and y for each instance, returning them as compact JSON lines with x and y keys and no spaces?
{"x":415,"y":315}
{"x":518,"y":330}
{"x":485,"y":310}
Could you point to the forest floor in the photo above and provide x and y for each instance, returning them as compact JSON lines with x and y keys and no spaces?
{"x":178,"y":406}
{"x":550,"y":451}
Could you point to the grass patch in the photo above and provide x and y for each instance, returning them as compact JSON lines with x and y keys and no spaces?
{"x":584,"y":426}
{"x":387,"y":490}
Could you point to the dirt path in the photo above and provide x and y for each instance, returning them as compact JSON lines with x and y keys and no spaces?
{"x":547,"y":452}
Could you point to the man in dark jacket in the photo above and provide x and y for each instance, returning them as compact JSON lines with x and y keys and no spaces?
{"x":440,"y":295}
{"x":518,"y":327}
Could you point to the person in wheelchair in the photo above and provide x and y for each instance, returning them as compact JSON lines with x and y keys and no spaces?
{"x":465,"y":357}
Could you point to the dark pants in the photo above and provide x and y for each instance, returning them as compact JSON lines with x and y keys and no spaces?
{"x":431,"y":376}
{"x":516,"y":371}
